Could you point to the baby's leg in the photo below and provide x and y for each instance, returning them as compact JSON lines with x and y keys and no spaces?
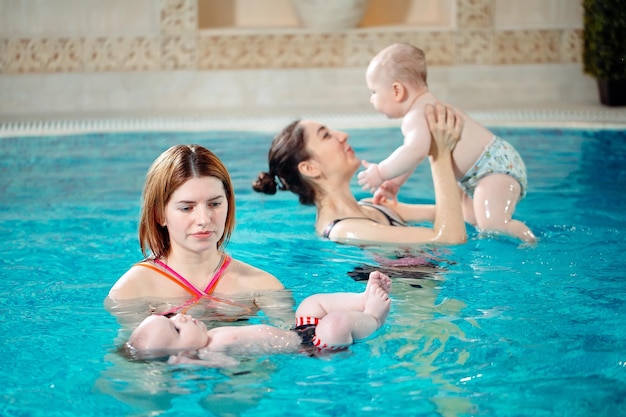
{"x":495,"y":199}
{"x":341,"y":328}
{"x":467,"y":204}
{"x":319,"y":305}
{"x":377,"y":306}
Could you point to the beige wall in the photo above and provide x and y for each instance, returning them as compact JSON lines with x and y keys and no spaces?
{"x":68,"y":56}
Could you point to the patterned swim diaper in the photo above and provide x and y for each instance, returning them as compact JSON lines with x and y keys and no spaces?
{"x":499,"y":157}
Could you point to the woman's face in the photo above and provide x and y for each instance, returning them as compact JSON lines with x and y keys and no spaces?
{"x":195,"y":215}
{"x":329,"y":149}
{"x":181,"y":332}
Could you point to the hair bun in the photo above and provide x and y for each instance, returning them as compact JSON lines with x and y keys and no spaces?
{"x":265,"y":183}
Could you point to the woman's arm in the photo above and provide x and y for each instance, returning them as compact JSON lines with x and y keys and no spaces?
{"x":266,"y":291}
{"x":277,"y":305}
{"x":446,"y":128}
{"x":408,"y":212}
{"x":449,"y":226}
{"x":415,"y":213}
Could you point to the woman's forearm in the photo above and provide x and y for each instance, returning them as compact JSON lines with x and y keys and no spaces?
{"x":415,"y":213}
{"x":449,"y":225}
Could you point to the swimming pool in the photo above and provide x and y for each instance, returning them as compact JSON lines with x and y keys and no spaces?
{"x":496,"y":330}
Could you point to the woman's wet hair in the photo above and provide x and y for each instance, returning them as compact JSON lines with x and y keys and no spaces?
{"x":266,"y":183}
{"x":167,"y":173}
{"x":287,"y":150}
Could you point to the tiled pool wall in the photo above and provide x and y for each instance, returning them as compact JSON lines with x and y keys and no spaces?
{"x":149,"y":57}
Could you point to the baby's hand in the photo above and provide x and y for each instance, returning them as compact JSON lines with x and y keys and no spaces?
{"x":217,"y":359}
{"x":387,"y":193}
{"x":370,"y":179}
{"x":179,"y":359}
{"x":211,"y":360}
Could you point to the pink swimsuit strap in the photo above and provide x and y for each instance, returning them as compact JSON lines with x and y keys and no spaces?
{"x":211,"y":287}
{"x":185,"y":285}
{"x":188,"y":286}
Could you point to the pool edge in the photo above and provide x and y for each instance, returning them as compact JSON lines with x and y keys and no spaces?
{"x":609,"y":118}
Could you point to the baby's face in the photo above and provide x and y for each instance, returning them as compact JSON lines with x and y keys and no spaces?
{"x":178,"y":333}
{"x":381,"y":91}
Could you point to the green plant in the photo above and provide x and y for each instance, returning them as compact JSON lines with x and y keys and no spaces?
{"x":604,"y":36}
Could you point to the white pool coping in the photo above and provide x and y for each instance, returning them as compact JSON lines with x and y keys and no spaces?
{"x":563,"y":118}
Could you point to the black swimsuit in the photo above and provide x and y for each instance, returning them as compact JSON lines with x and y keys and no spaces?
{"x":392,"y":218}
{"x":306,"y":333}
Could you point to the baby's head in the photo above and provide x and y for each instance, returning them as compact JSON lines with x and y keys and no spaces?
{"x":159,"y":336}
{"x":402,"y":63}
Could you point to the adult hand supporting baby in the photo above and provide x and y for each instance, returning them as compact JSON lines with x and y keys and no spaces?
{"x":387,"y":193}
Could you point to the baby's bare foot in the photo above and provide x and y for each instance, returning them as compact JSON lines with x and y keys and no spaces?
{"x":379,"y":279}
{"x":378,"y":304}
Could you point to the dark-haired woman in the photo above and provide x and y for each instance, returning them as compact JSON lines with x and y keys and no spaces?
{"x":317,"y":163}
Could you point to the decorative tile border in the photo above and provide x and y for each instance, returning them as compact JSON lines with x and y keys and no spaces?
{"x":43,"y":55}
{"x":178,"y":52}
{"x":179,"y":45}
{"x":179,"y":16}
{"x":474,"y":14}
{"x":571,"y":45}
{"x":299,"y":49}
{"x":122,"y":54}
{"x":474,"y":47}
{"x":528,"y":47}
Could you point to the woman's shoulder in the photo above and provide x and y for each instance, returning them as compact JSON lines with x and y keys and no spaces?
{"x":354,"y":228}
{"x":389,"y":213}
{"x":132,"y":283}
{"x":372,"y":217}
{"x":364,"y":231}
{"x":253,"y":277}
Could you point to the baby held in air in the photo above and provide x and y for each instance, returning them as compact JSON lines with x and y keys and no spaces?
{"x":489,"y":171}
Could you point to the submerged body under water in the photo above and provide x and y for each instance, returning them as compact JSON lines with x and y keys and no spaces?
{"x":489,"y":328}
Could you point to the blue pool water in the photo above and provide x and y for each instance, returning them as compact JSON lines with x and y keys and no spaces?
{"x":496,"y":330}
